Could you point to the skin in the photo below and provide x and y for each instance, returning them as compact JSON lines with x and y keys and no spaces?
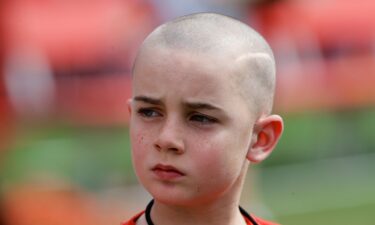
{"x":189,"y":111}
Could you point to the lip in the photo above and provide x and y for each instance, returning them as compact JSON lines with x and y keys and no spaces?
{"x":167,"y":172}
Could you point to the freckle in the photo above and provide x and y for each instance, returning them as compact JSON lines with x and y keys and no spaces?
{"x":140,"y":138}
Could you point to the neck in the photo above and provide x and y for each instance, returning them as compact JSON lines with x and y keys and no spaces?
{"x":204,"y":214}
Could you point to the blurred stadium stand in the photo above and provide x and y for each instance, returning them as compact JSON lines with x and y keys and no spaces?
{"x":325,"y":52}
{"x":85,"y":49}
{"x":70,"y":62}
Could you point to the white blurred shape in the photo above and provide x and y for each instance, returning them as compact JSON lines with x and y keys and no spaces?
{"x":29,"y":82}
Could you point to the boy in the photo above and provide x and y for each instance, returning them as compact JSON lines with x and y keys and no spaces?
{"x":202,"y":95}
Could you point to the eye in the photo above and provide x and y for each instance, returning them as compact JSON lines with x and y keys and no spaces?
{"x":203,"y":119}
{"x":148,"y":113}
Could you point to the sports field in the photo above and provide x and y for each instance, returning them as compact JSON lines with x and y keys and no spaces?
{"x":321,"y":173}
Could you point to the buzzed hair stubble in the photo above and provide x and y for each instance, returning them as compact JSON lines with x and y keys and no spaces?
{"x":215,"y":34}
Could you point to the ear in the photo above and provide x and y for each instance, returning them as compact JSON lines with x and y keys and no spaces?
{"x":129,"y":106}
{"x":267,"y":132}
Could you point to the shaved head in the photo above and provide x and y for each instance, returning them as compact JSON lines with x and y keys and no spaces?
{"x":215,"y":35}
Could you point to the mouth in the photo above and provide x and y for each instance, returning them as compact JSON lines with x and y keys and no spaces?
{"x":167,"y":172}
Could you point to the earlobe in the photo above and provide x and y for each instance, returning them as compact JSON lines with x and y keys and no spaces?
{"x":267,"y":132}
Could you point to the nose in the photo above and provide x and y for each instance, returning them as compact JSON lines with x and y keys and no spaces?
{"x":169,"y":138}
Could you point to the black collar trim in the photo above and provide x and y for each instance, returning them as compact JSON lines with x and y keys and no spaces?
{"x":247,"y":215}
{"x":149,"y":220}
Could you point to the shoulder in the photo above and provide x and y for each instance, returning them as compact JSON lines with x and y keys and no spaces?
{"x":263,"y":222}
{"x":253,"y":220}
{"x":133,"y":220}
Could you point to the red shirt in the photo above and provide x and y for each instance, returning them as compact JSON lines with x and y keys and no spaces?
{"x":257,"y":221}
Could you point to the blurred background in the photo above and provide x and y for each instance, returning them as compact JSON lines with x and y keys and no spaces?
{"x":65,"y":78}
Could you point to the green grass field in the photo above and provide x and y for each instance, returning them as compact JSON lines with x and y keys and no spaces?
{"x":363,"y":214}
{"x":329,"y":191}
{"x":321,"y":173}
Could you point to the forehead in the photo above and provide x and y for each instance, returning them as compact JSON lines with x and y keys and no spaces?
{"x":182,"y":70}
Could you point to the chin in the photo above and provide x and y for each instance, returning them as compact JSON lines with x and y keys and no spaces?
{"x":168,"y":198}
{"x":173,"y":197}
{"x":180,"y":199}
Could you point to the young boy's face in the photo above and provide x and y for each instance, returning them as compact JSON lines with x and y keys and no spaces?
{"x":190,"y":127}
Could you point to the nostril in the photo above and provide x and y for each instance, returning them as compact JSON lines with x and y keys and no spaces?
{"x":173,"y":149}
{"x":167,"y":148}
{"x":157,"y":147}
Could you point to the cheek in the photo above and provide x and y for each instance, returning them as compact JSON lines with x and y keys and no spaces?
{"x":220,"y":155}
{"x":138,"y":134}
{"x":138,"y":146}
{"x":138,"y":138}
{"x":211,"y":156}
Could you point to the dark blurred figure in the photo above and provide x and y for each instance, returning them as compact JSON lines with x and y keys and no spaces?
{"x":2,"y":216}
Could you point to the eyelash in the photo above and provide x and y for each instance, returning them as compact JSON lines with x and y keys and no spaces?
{"x":144,"y":112}
{"x":203,"y":119}
{"x":194,"y":117}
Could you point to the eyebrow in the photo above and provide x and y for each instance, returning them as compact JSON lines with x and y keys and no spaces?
{"x":191,"y":105}
{"x":149,"y":100}
{"x":201,"y":105}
